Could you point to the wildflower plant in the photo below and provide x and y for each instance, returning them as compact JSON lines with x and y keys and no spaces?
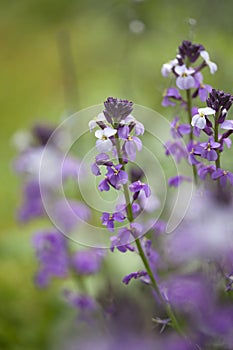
{"x":188,"y":273}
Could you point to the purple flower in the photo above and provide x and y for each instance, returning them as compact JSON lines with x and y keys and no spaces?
{"x":223,"y":176}
{"x":227,"y":125}
{"x":202,"y":89}
{"x":123,"y":239}
{"x":100,"y":159}
{"x":170,"y":95}
{"x":168,"y":67}
{"x":208,"y":149}
{"x":32,"y":206}
{"x":179,"y":130}
{"x":134,"y":275}
{"x":203,"y":170}
{"x":185,"y":79}
{"x":69,"y":214}
{"x":117,"y":109}
{"x":131,"y":144}
{"x":114,"y":177}
{"x":194,"y":149}
{"x":108,"y":219}
{"x":80,"y":301}
{"x":178,"y":180}
{"x":87,"y":262}
{"x":212,"y":66}
{"x":138,"y":186}
{"x":51,"y":251}
{"x":176,"y":149}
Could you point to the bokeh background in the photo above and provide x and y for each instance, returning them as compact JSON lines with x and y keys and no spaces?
{"x":61,"y":56}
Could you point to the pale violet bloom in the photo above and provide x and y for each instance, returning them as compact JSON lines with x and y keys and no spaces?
{"x":199,"y":119}
{"x":212,"y":66}
{"x":185,"y":79}
{"x":104,"y":144}
{"x":138,"y":128}
{"x":227,"y":125}
{"x":167,"y":67}
{"x":93,"y":123}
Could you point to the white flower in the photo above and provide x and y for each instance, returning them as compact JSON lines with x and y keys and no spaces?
{"x":185,"y":80}
{"x":212,"y":66}
{"x":199,"y":120}
{"x":93,"y":123}
{"x":167,"y":67}
{"x":104,"y":144}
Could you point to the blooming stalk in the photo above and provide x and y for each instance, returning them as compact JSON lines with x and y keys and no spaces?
{"x":116,"y":118}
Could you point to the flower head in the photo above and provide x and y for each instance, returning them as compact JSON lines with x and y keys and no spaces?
{"x":108,"y":219}
{"x":179,"y":130}
{"x":190,"y":50}
{"x":117,"y":109}
{"x":208,"y":149}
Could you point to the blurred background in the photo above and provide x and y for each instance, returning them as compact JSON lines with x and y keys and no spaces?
{"x":61,"y":56}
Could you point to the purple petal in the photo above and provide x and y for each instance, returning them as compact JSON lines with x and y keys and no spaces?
{"x":123,"y":132}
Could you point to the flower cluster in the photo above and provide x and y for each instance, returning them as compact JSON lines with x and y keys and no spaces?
{"x":206,"y":121}
{"x":55,"y":255}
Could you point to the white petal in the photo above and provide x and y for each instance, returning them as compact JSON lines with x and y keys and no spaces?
{"x":213,"y":67}
{"x":104,"y":145}
{"x":92,"y":124}
{"x":204,"y":54}
{"x":166,"y":69}
{"x":99,"y":134}
{"x":199,"y":122}
{"x":109,"y":132}
{"x":101,"y":117}
{"x":206,"y":111}
{"x":181,"y":69}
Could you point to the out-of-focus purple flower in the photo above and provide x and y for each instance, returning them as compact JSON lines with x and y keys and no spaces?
{"x":134,"y":275}
{"x":199,"y":120}
{"x":212,"y":66}
{"x":208,"y":149}
{"x":170,"y":95}
{"x":138,"y":186}
{"x":69,"y":214}
{"x":104,"y":144}
{"x":80,"y":301}
{"x":223,"y":176}
{"x":87,"y":262}
{"x":32,"y":206}
{"x":191,"y":294}
{"x":179,"y":130}
{"x":203,"y":170}
{"x":42,"y":133}
{"x":51,"y":251}
{"x":178,"y":180}
{"x":176,"y":149}
{"x":131,"y":144}
{"x":185,"y":79}
{"x":117,"y":109}
{"x":123,"y":239}
{"x":108,"y":219}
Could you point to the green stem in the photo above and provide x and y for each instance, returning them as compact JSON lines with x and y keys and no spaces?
{"x":189,"y":109}
{"x":170,"y":313}
{"x":216,"y":125}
